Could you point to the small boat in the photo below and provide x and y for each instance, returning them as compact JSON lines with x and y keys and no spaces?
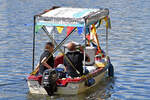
{"x":86,"y":22}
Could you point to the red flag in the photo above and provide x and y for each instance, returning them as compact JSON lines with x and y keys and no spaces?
{"x":69,"y":29}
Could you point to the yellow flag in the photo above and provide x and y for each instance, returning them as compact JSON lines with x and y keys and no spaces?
{"x":106,"y":20}
{"x":95,"y":37}
{"x":59,"y":29}
{"x":93,"y":29}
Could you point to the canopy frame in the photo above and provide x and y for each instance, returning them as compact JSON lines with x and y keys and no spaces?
{"x":84,"y":21}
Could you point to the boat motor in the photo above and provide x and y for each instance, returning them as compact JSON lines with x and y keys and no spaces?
{"x":49,"y":79}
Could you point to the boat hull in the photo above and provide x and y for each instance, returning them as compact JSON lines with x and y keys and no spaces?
{"x":71,"y":87}
{"x":77,"y":88}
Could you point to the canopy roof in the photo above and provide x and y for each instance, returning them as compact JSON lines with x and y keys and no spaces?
{"x":66,"y":16}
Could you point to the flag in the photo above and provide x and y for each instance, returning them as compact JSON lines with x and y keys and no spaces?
{"x":93,"y":29}
{"x":69,"y":29}
{"x":106,"y":21}
{"x":59,"y":29}
{"x":37,"y":28}
{"x":49,"y":28}
{"x":80,"y":30}
{"x":94,"y":38}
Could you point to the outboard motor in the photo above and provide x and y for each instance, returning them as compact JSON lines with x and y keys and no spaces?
{"x":49,"y":79}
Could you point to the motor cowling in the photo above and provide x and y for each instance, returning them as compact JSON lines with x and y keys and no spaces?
{"x":49,"y":79}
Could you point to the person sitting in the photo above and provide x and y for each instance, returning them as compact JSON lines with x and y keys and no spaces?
{"x":46,"y":59}
{"x":58,"y":59}
{"x":76,"y":58}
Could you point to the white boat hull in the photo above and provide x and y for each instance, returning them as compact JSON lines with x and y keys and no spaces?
{"x":70,"y":88}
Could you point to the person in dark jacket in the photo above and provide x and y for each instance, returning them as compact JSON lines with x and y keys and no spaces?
{"x":46,"y":59}
{"x":76,"y":58}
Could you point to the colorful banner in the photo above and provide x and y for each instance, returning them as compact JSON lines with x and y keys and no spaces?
{"x":49,"y":28}
{"x":80,"y":30}
{"x":60,"y":29}
{"x":69,"y":29}
{"x":37,"y":28}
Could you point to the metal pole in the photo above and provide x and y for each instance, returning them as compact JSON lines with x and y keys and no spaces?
{"x":106,"y":41}
{"x":33,"y":44}
{"x":85,"y":43}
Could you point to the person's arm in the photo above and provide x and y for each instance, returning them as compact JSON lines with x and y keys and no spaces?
{"x":45,"y":63}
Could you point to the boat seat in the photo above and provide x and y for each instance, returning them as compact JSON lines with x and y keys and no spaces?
{"x":90,"y":51}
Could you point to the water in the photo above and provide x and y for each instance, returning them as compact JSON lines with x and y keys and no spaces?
{"x":129,"y":49}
